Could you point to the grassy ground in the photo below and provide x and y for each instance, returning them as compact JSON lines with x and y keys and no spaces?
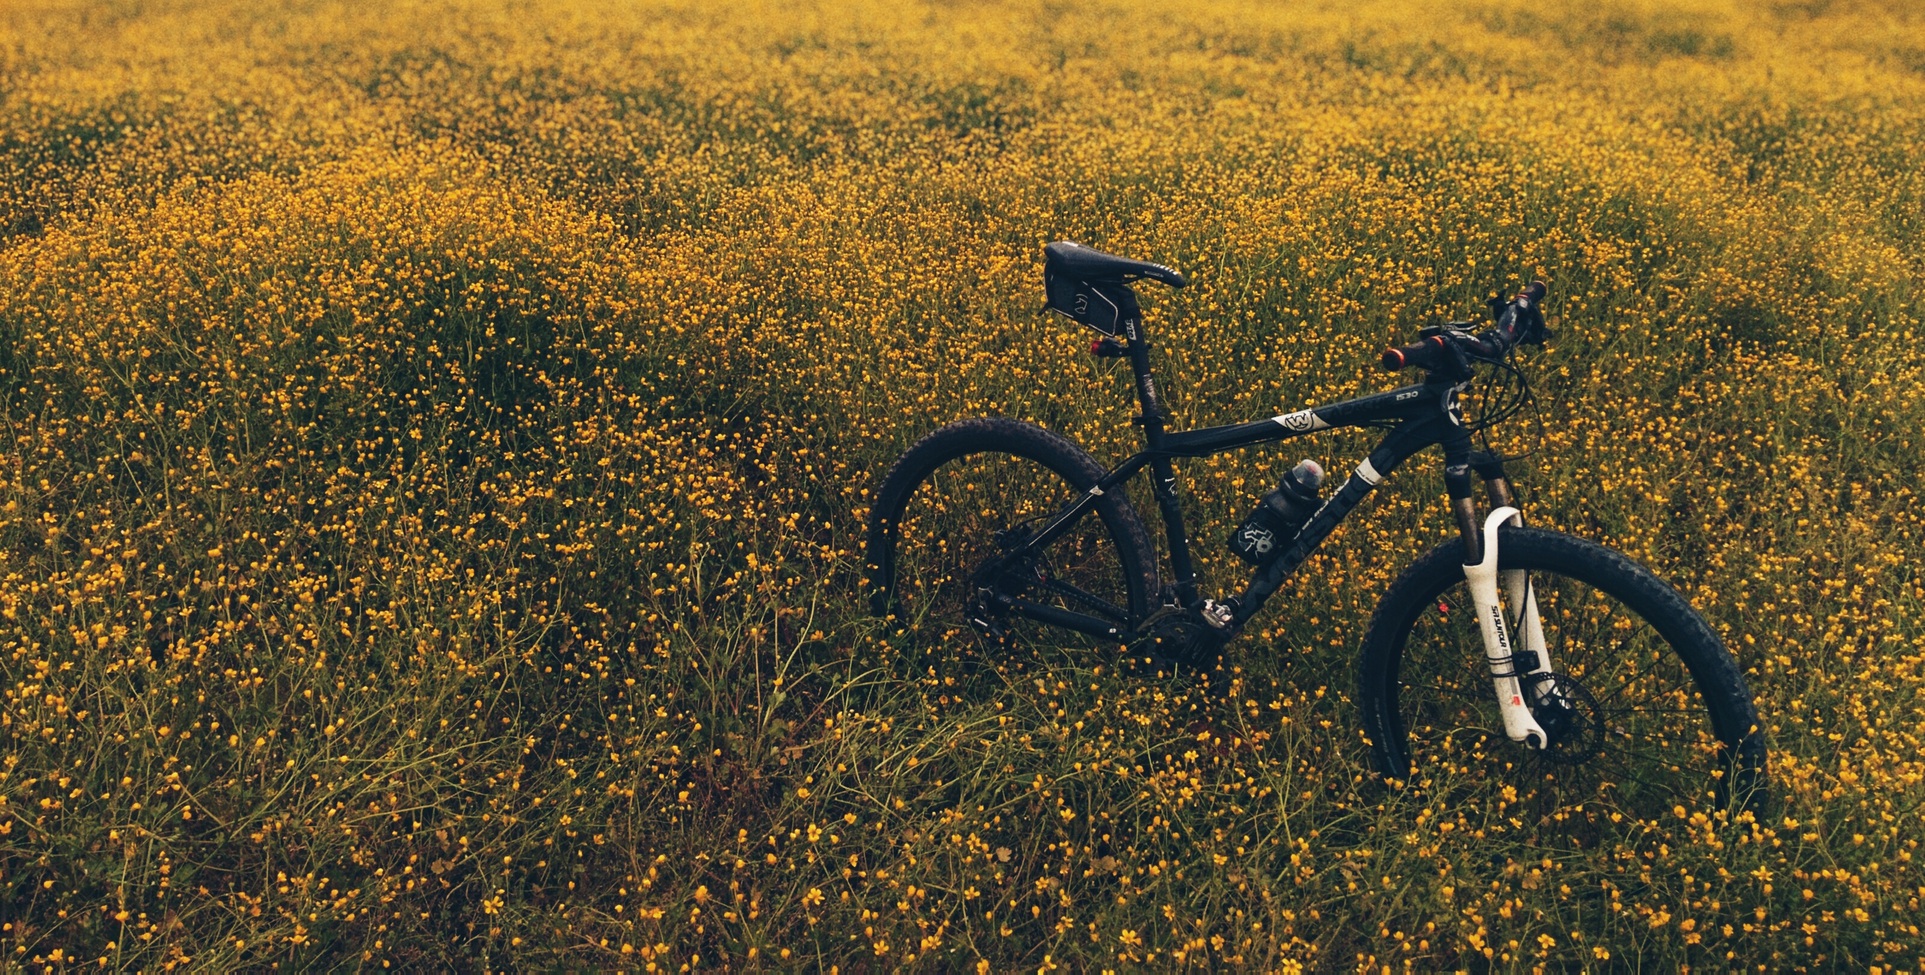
{"x":436,"y":442}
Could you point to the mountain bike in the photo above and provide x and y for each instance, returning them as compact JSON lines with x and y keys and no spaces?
{"x":1568,"y":667}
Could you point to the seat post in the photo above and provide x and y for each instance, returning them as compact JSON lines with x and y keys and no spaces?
{"x":1139,"y":347}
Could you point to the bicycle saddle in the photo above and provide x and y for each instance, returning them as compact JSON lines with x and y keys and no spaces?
{"x":1079,"y":263}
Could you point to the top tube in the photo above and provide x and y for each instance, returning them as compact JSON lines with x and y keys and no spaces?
{"x":1402,"y":403}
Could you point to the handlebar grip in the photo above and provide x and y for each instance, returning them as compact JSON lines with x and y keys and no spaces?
{"x":1516,"y":322}
{"x":1420,"y":353}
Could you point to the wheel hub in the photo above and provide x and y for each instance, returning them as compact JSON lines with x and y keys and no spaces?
{"x":1569,"y":715}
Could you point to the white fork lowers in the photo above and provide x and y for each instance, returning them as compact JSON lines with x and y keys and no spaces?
{"x":1499,"y":651}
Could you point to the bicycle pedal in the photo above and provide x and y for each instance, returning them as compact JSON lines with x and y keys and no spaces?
{"x":1221,"y":617}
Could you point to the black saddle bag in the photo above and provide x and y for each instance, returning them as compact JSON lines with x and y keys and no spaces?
{"x":1102,"y":307}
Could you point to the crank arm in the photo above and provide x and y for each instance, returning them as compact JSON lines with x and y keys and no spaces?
{"x":1519,"y":725}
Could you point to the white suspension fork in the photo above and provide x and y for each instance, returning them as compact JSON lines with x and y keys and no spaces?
{"x":1518,"y":591}
{"x":1499,"y":651}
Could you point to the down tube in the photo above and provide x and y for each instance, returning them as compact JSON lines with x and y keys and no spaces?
{"x":1395,"y":449}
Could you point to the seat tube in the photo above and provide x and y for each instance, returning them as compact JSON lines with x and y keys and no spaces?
{"x":1162,"y":471}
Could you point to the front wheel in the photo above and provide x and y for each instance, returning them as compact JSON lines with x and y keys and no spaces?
{"x":1647,"y":711}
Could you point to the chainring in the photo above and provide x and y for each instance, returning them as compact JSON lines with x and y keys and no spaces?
{"x":1177,"y":641}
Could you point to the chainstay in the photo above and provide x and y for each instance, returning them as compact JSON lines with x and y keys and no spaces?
{"x":1096,"y":603}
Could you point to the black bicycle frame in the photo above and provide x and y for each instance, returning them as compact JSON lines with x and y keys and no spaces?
{"x":1416,"y":416}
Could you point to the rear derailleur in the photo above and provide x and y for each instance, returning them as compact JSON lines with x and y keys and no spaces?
{"x":999,"y":581}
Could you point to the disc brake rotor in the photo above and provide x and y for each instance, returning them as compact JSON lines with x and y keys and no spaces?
{"x":1569,"y":715}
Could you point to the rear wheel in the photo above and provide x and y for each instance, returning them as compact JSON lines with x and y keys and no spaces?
{"x":1648,"y":711}
{"x":956,"y":506}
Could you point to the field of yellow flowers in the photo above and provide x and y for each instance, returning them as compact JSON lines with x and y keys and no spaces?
{"x":435,"y":440}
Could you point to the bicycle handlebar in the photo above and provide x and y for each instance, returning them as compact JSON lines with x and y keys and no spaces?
{"x":1519,"y":321}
